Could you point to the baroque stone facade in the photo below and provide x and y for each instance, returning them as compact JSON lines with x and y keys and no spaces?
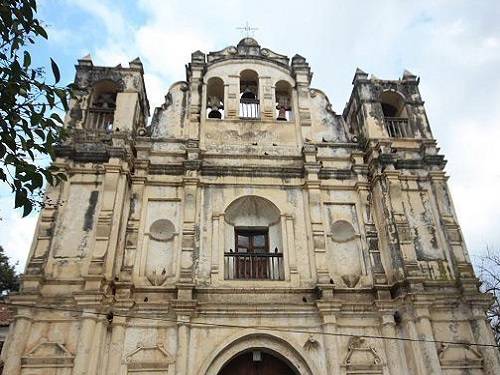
{"x":249,"y":225}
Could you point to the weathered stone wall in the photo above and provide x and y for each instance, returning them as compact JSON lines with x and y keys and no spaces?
{"x":127,"y":272}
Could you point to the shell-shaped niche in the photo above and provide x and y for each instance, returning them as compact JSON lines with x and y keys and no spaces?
{"x":160,"y":253}
{"x":344,"y":252}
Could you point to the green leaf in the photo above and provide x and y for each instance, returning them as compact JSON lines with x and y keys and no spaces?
{"x":27,"y":59}
{"x":55,"y":70}
{"x":28,"y":207}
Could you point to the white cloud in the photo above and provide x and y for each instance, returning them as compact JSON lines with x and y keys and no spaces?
{"x":453,"y":45}
{"x":16,"y":233}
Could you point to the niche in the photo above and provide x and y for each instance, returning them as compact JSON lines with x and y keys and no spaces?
{"x":215,"y":98}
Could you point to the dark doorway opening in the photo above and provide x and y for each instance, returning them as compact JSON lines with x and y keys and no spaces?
{"x":256,"y":362}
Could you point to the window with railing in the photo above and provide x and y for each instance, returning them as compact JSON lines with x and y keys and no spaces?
{"x":101,"y":111}
{"x":252,"y":258}
{"x":398,"y":127}
{"x":395,"y":117}
{"x":249,"y":90}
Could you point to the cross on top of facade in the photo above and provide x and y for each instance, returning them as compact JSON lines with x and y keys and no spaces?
{"x":247,"y":30}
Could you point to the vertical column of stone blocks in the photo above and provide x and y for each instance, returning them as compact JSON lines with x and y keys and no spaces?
{"x":393,"y":347}
{"x":302,"y":74}
{"x":231,"y":104}
{"x":107,"y":228}
{"x":425,"y":332}
{"x":43,"y":237}
{"x":20,"y":332}
{"x":195,"y":84}
{"x":312,"y":186}
{"x":266,"y":95}
{"x":190,"y":184}
{"x":115,"y":352}
{"x":328,"y":311}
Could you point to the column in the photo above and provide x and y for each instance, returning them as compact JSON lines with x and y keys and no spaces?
{"x":424,"y":329}
{"x":330,"y":341}
{"x":85,"y":343}
{"x":17,"y":343}
{"x":416,"y":348}
{"x":290,"y":233}
{"x":393,"y":348}
{"x":484,"y":335}
{"x":97,"y":343}
{"x":115,"y":354}
{"x":182,"y":344}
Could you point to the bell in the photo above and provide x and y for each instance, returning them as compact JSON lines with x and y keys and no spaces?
{"x":214,"y":114}
{"x":247,"y":94}
{"x":281,"y":113}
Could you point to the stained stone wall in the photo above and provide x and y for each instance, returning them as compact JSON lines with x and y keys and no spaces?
{"x":129,"y":274}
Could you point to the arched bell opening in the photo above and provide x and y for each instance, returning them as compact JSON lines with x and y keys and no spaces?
{"x":249,"y":94}
{"x":395,"y":115}
{"x":283,"y":93}
{"x":215,"y":98}
{"x":258,"y":361}
{"x":102,"y":105}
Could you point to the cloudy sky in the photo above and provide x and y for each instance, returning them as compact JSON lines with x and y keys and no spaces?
{"x":453,"y":45}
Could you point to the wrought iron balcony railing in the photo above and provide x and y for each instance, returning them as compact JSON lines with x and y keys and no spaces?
{"x":263,"y":266}
{"x":249,"y":108}
{"x":100,"y":119}
{"x":398,"y":127}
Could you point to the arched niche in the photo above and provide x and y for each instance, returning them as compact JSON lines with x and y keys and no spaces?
{"x":215,"y":98}
{"x":395,"y":115}
{"x":393,"y":104}
{"x":253,"y":240}
{"x":283,"y":94}
{"x":249,"y":94}
{"x":279,"y":347}
{"x":102,"y":105}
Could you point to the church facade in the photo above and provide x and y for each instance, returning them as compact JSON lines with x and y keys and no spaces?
{"x":249,"y":229}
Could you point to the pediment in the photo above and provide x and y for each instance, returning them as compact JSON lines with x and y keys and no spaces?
{"x":453,"y":356}
{"x":361,"y":356}
{"x":48,"y":353}
{"x":149,"y":357}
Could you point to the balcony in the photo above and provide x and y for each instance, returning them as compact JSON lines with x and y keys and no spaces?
{"x":398,"y":127}
{"x":253,"y":266}
{"x":249,"y":108}
{"x":100,"y":119}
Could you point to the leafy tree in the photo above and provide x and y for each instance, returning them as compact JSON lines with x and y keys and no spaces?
{"x":489,"y":274}
{"x":9,"y":279}
{"x":29,"y":124}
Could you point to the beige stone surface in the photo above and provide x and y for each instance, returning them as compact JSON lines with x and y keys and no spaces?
{"x":134,"y":270}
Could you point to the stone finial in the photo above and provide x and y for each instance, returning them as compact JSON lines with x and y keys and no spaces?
{"x":86,"y":60}
{"x":198,"y":57}
{"x":409,"y":76}
{"x":359,"y":75}
{"x":301,"y":67}
{"x":136,"y":64}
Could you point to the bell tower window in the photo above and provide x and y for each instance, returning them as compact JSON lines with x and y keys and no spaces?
{"x":395,"y":117}
{"x":249,"y":95}
{"x":102,"y":107}
{"x":215,"y":98}
{"x":283,"y":101}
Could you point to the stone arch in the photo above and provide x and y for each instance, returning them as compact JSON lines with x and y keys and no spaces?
{"x":281,"y":347}
{"x":255,"y":205}
{"x":393,"y":104}
{"x":215,"y":98}
{"x":283,"y":96}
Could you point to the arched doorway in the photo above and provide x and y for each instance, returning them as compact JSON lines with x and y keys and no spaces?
{"x":257,"y":362}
